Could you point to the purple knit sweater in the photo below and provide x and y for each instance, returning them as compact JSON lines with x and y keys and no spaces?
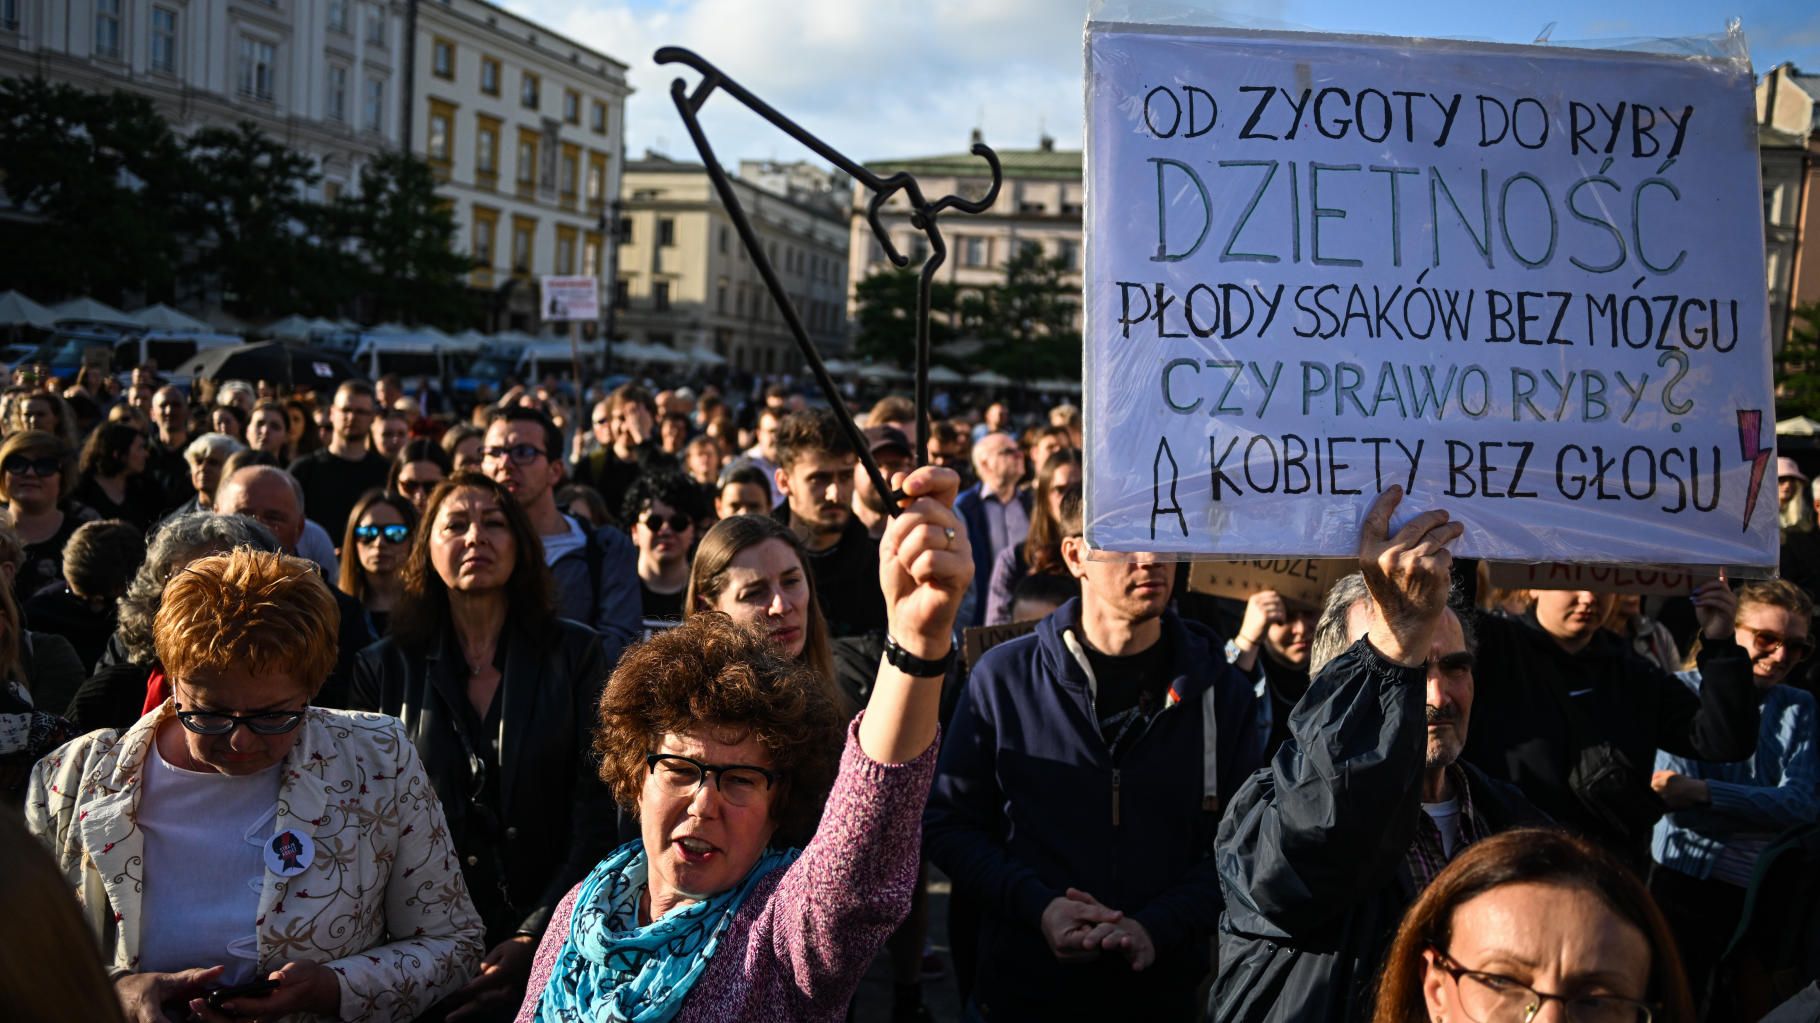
{"x":799,"y":944}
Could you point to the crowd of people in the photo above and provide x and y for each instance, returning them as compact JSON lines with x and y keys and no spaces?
{"x":651,"y":705}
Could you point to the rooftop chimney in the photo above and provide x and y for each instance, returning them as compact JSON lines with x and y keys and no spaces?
{"x":977,"y":137}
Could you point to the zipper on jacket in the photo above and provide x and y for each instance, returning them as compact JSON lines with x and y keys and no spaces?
{"x":1115,"y":797}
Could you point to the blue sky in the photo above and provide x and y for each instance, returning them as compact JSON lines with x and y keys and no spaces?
{"x":894,"y":78}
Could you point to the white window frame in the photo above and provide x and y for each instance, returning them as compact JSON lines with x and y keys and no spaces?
{"x":110,"y":12}
{"x":372,"y":108}
{"x":174,"y":49}
{"x":337,"y":99}
{"x":250,"y":82}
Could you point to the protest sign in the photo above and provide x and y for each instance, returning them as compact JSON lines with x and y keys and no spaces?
{"x":1603,"y":578}
{"x":1303,"y":580}
{"x":570,"y":298}
{"x":1524,"y":283}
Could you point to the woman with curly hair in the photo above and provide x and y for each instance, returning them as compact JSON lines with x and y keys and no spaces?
{"x":718,"y":745}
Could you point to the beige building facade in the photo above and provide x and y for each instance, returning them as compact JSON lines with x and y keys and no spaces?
{"x":1788,"y":140}
{"x":1039,"y":204}
{"x":324,"y":77}
{"x":685,"y":280}
{"x":524,"y":131}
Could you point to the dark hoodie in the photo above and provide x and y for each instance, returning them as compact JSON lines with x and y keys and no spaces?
{"x":1029,"y":801}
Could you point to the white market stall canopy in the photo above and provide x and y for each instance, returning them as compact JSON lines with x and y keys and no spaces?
{"x":163,"y":317}
{"x":17,"y":310}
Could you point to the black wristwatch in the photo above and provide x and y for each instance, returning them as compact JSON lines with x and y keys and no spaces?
{"x":910,"y":664}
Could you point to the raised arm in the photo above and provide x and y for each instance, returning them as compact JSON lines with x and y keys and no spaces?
{"x":925,"y":566}
{"x":1335,"y":810}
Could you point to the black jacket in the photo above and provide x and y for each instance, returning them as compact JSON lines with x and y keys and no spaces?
{"x":1521,"y":731}
{"x":555,"y":819}
{"x":1312,"y":851}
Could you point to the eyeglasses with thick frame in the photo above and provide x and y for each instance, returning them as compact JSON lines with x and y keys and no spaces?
{"x":520,"y":454}
{"x":1495,"y":998}
{"x":682,"y":777}
{"x":1769,"y":641}
{"x":213,"y":722}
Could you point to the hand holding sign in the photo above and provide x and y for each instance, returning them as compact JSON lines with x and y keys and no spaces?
{"x":1716,"y":607}
{"x":1409,"y":574}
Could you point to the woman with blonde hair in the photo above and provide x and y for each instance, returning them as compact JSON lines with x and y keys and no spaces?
{"x":268,"y":840}
{"x":37,"y":480}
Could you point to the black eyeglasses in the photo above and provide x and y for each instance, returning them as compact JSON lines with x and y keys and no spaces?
{"x":210,"y":722}
{"x":520,"y":454}
{"x":394,"y":533}
{"x":681,"y":777}
{"x":411,"y":488}
{"x":1495,"y":998}
{"x":677,"y":521}
{"x":25,"y":465}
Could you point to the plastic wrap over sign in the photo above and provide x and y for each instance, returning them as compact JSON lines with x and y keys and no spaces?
{"x":1525,"y":284}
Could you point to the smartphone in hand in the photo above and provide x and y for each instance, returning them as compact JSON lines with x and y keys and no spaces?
{"x":252,"y":989}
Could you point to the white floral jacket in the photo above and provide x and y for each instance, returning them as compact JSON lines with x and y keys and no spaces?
{"x":382,"y":901}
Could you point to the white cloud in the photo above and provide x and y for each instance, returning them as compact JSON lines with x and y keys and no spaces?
{"x":874,"y":79}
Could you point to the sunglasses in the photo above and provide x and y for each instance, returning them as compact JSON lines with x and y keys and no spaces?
{"x":271,"y":722}
{"x":520,"y":454}
{"x":23,"y":465}
{"x":677,"y":521}
{"x":394,"y":533}
{"x":1769,"y":642}
{"x":411,"y":488}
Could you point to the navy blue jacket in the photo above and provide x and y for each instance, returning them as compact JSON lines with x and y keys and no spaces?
{"x":1028,"y":802}
{"x":971,"y":509}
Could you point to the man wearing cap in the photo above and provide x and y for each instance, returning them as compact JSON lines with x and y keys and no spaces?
{"x":891,"y":450}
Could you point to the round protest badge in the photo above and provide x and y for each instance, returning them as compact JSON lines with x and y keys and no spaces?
{"x":289,"y":853}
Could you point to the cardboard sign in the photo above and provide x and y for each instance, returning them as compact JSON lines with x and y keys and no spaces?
{"x":570,"y":298}
{"x":1603,"y":578}
{"x":1524,"y":283}
{"x":1302,"y":580}
{"x":975,"y":641}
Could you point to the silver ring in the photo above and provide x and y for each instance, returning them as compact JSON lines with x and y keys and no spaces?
{"x":948,"y":531}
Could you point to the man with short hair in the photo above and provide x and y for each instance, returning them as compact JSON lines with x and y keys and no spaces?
{"x":1080,"y":784}
{"x":391,"y":431}
{"x":275,"y":499}
{"x":892,"y":451}
{"x":744,"y":490}
{"x":997,"y":513}
{"x":335,"y":476}
{"x":595,"y":571}
{"x":625,"y":425}
{"x":763,"y":453}
{"x":815,"y":478}
{"x":996,"y":420}
{"x":170,"y":418}
{"x":1326,"y":846}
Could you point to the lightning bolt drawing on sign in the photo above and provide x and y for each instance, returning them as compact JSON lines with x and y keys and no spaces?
{"x":1750,"y":444}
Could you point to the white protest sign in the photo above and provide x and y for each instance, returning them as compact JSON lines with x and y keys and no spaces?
{"x":570,"y":298}
{"x":1524,"y":283}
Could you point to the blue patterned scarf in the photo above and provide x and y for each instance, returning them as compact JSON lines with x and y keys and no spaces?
{"x":611,"y":970}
